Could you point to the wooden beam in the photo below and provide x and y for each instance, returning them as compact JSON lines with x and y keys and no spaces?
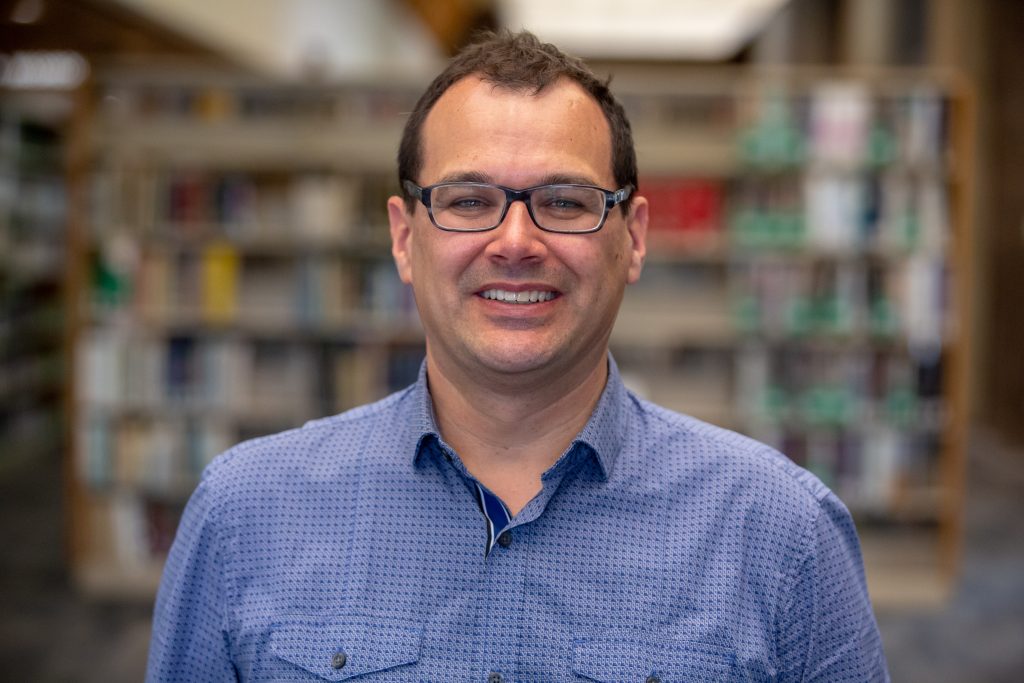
{"x":452,"y":22}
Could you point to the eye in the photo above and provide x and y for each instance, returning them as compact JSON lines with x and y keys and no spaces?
{"x":466,"y":200}
{"x":567,"y":201}
{"x":563,"y":203}
{"x":467,"y":203}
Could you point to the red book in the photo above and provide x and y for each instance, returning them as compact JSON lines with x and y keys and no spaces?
{"x":684,"y":204}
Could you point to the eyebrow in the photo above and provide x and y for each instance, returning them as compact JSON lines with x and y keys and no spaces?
{"x":551,"y":179}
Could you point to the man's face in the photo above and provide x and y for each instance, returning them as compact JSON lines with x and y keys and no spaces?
{"x":479,"y":132}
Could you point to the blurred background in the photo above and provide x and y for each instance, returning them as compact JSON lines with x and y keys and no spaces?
{"x":193,"y":251}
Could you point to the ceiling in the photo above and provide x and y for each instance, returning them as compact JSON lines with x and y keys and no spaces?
{"x":342,"y":38}
{"x":92,"y":27}
{"x":708,"y":30}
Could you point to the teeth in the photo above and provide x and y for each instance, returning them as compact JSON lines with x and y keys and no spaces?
{"x":529,"y":297}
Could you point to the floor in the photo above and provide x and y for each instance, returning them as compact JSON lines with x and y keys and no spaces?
{"x":49,"y":634}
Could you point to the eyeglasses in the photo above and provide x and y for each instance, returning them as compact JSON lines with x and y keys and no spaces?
{"x":476,"y":207}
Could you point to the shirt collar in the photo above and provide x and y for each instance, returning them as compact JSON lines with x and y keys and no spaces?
{"x":602,"y":435}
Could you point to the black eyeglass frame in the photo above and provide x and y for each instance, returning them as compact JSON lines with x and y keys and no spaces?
{"x":611,"y":200}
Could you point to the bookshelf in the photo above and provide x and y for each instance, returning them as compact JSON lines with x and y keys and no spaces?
{"x":33,"y":214}
{"x":811,"y":288}
{"x":805,"y":285}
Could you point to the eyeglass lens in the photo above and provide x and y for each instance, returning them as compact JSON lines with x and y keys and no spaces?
{"x":565,"y":208}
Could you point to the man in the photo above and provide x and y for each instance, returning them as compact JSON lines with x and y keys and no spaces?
{"x":516,"y":515}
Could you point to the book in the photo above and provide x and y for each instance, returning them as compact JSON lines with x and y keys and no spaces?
{"x":220,"y":277}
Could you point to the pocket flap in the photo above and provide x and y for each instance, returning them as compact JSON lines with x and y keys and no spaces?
{"x":618,"y":660}
{"x":337,"y":650}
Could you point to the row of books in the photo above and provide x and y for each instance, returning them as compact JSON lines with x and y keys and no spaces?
{"x":845,"y":124}
{"x":846,"y":298}
{"x":219,"y":284}
{"x":685,"y":205}
{"x":820,"y":211}
{"x":826,"y":212}
{"x":33,"y":257}
{"x":825,"y":388}
{"x":305,"y":207}
{"x":118,"y":369}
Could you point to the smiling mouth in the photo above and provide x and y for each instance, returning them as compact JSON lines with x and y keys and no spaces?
{"x":532,"y":296}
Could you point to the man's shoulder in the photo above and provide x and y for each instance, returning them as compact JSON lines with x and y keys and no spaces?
{"x":315,"y":449}
{"x":689,"y":445}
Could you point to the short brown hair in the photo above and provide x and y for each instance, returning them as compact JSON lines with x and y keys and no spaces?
{"x":519,"y":61}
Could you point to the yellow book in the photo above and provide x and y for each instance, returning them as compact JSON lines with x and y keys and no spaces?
{"x":220,"y":271}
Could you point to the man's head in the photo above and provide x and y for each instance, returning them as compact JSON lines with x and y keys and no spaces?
{"x":510,"y":300}
{"x":519,"y":62}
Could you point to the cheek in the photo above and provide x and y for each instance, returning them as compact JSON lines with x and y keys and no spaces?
{"x":618,"y":254}
{"x":439,"y":262}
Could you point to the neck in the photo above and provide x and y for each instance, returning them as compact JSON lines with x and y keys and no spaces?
{"x":509,"y":431}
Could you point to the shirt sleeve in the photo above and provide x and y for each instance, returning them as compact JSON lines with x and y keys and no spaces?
{"x":189,"y":641}
{"x":827,"y":628}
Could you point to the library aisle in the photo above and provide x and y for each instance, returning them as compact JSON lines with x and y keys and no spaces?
{"x":49,"y":633}
{"x":194,"y":252}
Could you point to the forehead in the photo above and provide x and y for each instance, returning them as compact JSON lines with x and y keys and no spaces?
{"x":516,"y":136}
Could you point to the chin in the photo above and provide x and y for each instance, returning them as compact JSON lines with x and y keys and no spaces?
{"x":513,"y":364}
{"x":516,"y":358}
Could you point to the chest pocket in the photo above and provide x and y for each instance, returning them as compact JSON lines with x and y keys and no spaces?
{"x":625,"y":661}
{"x":342,"y":650}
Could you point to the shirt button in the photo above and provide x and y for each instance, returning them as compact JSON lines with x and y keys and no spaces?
{"x":338,"y":660}
{"x":495,"y":677}
{"x":505,"y":540}
{"x":653,"y":679}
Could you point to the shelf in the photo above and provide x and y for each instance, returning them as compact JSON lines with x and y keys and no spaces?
{"x":698,"y":397}
{"x":356,"y":325}
{"x":903,"y":569}
{"x":33,"y":263}
{"x":170,"y":238}
{"x":111,"y":580}
{"x":646,"y":324}
{"x":246,"y":145}
{"x":33,"y":381}
{"x":720,"y":248}
{"x":235,"y":246}
{"x":662,"y":151}
{"x":285,"y":415}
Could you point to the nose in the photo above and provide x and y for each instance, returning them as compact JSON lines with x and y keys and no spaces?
{"x":517,"y":239}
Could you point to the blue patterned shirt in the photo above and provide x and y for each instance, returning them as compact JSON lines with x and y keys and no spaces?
{"x":659,"y":549}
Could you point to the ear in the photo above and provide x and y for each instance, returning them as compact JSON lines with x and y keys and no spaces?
{"x":401,"y":237}
{"x":636,"y":226}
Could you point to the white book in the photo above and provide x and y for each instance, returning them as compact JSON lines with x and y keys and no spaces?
{"x":840,"y":119}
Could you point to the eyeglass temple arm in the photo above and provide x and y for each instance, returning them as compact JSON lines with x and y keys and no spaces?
{"x":619,"y":196}
{"x":417,"y":192}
